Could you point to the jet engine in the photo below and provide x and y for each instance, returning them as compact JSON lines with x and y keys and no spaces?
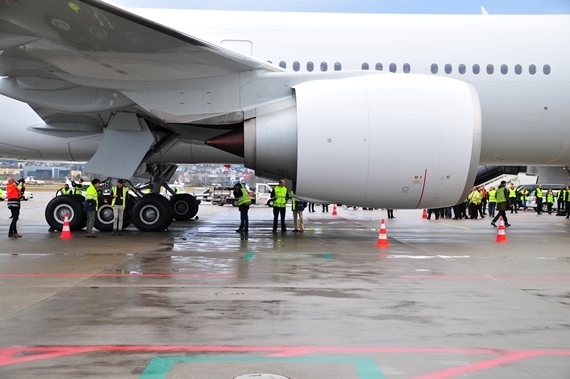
{"x":382,"y":140}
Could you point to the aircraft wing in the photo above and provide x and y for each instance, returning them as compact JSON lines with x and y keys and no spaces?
{"x":92,"y":39}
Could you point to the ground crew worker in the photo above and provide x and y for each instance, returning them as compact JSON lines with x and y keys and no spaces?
{"x":567,"y":201}
{"x":13,"y":196}
{"x":539,"y":194}
{"x":244,"y":201}
{"x":297,"y":207}
{"x":1,"y":194}
{"x":484,"y":200}
{"x":560,"y":196}
{"x":91,"y":205}
{"x":513,"y":198}
{"x":474,"y":201}
{"x":549,"y":200}
{"x":22,"y":187}
{"x":492,"y":201}
{"x":119,"y":202}
{"x":524,"y":198}
{"x":279,"y":194}
{"x":78,"y":187}
{"x":502,"y":197}
{"x":66,"y":190}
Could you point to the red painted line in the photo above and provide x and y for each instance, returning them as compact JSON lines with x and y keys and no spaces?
{"x":536,"y":278}
{"x":423,"y":188}
{"x":479,"y":366}
{"x":22,"y":354}
{"x":127,"y":275}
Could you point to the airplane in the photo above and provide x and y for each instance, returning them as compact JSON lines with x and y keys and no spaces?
{"x":31,"y":180}
{"x":393,"y":111}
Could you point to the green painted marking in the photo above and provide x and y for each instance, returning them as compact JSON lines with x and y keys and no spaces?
{"x":159,"y":367}
{"x":248,"y":256}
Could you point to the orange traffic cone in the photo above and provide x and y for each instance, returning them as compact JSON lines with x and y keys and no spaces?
{"x":501,"y":236}
{"x":382,"y":237}
{"x":66,"y":232}
{"x":424,"y":214}
{"x":334,"y":210}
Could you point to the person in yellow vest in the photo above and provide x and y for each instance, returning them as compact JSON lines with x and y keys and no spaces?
{"x":560,"y":196}
{"x":1,"y":194}
{"x":549,"y":200}
{"x":567,"y":201}
{"x":22,"y":188}
{"x":66,"y":190}
{"x":279,"y":195}
{"x":474,"y":201}
{"x":524,"y":198}
{"x":119,"y":203}
{"x":513,"y":198}
{"x":502,"y":196}
{"x":91,"y":205}
{"x":297,"y":207}
{"x":539,"y":195}
{"x":78,"y":187}
{"x":244,"y":201}
{"x":492,"y":200}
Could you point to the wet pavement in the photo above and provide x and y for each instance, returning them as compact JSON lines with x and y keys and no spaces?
{"x":444,"y":300}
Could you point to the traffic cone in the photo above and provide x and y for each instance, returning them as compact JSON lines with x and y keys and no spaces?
{"x":334,"y":210}
{"x":424,"y":214}
{"x":501,"y":236}
{"x":382,"y":237}
{"x":66,"y":232}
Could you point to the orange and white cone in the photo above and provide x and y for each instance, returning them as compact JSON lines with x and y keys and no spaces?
{"x":66,"y":231}
{"x":424,"y":214}
{"x":334,"y":213}
{"x":501,"y":236}
{"x":382,"y":237}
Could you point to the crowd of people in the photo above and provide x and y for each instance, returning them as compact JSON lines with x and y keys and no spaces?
{"x":497,"y":201}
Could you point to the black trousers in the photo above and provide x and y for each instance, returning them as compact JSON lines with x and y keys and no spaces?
{"x":243,"y":217}
{"x":503,"y":214}
{"x":15,"y":215}
{"x":277,"y":211}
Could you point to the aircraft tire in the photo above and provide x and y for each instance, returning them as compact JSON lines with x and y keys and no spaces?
{"x":152,"y":213}
{"x":184,"y":206}
{"x":104,"y":218}
{"x":58,"y":206}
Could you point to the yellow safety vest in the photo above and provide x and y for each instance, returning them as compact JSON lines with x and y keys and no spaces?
{"x":512,"y":192}
{"x":492,"y":198}
{"x":92,"y":194}
{"x":539,"y":193}
{"x":501,"y":195}
{"x":125,"y":190}
{"x":244,"y":198}
{"x":524,"y":195}
{"x":66,"y":191}
{"x":280,"y":197}
{"x":550,"y":197}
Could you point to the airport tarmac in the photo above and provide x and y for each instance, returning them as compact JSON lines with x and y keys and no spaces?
{"x":443,"y":300}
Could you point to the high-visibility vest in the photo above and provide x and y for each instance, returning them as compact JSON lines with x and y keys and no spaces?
{"x":501,"y":195}
{"x":244,"y":198}
{"x":92,"y":194}
{"x":550,"y":197}
{"x":539,"y":194}
{"x":66,"y":191}
{"x":512,"y":192}
{"x":475,"y":197}
{"x":79,"y":189}
{"x":561,"y":195}
{"x":524,"y":195}
{"x":280,"y":197}
{"x":125,"y":190}
{"x":492,"y":196}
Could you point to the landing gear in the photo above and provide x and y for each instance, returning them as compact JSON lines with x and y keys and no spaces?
{"x":151,"y":213}
{"x":59,"y":206}
{"x":184,"y":206}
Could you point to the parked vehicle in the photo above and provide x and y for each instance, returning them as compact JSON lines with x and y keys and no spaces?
{"x":531,"y":203}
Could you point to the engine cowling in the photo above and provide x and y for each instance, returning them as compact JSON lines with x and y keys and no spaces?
{"x":384,"y":140}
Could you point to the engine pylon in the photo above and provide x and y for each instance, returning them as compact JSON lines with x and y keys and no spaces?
{"x":382,"y":236}
{"x":66,"y":231}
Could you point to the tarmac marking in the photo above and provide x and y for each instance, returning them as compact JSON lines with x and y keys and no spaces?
{"x":249,"y":256}
{"x":159,"y":367}
{"x":73,"y":275}
{"x":462,"y":277}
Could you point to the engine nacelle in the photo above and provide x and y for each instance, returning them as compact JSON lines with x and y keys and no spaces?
{"x":385,"y":140}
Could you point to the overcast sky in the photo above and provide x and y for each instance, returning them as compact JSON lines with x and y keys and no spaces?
{"x":367,"y":6}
